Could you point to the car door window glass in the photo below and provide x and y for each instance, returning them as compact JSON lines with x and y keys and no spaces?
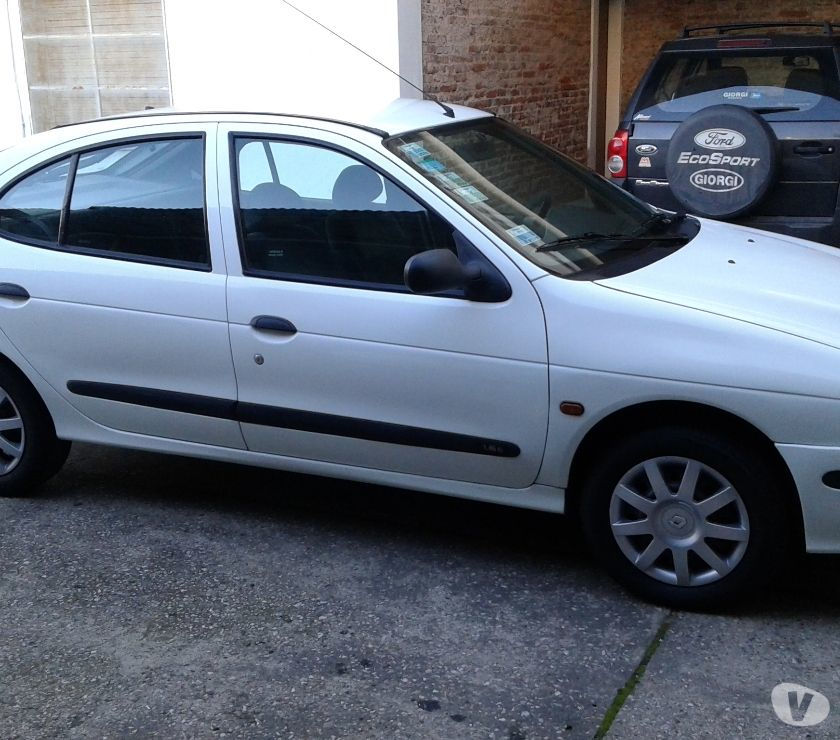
{"x":143,"y":199}
{"x":314,"y":213}
{"x":32,"y":207}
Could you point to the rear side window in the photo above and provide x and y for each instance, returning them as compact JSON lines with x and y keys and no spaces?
{"x":144,"y":199}
{"x":32,"y":208}
{"x":141,"y":200}
{"x":793,"y":82}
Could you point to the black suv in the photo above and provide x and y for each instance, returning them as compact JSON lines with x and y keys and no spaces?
{"x":733,"y":123}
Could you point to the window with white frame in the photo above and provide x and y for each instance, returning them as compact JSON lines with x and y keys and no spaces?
{"x":91,"y":58}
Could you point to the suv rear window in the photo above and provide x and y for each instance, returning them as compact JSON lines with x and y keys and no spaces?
{"x":800,"y":84}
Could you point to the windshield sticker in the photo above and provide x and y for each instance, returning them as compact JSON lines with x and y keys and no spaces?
{"x":415,"y":151}
{"x":432,"y":165}
{"x":451,"y":180}
{"x":471,"y":194}
{"x":524,"y":235}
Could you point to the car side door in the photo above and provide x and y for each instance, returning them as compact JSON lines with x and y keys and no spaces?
{"x":112,"y":243}
{"x":335,"y":359}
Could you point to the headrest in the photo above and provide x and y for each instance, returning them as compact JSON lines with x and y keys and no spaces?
{"x":356,"y":188}
{"x":270,"y":195}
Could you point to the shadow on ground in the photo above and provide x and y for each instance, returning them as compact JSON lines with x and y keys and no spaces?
{"x":242,"y":491}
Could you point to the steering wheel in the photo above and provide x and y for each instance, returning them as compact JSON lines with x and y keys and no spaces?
{"x":27,"y":219}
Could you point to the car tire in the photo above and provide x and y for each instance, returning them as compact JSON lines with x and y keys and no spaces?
{"x":30,"y":452}
{"x":649,"y":513}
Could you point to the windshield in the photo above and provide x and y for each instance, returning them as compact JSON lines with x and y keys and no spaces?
{"x":530,"y":195}
{"x":799,"y":84}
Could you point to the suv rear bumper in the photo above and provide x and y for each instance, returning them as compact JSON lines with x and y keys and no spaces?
{"x":823,"y":230}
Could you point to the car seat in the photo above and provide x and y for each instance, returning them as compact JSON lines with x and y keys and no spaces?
{"x":806,"y":80}
{"x":373,"y":241}
{"x":714,"y":79}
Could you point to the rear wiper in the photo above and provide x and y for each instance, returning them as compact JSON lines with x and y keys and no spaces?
{"x":590,"y":236}
{"x":780,"y":109}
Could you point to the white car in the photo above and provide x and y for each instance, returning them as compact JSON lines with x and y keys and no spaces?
{"x":428,"y":299}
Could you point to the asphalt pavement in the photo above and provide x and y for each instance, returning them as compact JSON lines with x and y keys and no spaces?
{"x":153,"y":596}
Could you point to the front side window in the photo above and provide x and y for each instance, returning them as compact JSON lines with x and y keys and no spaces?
{"x":140,"y":200}
{"x":543,"y":204}
{"x":312,"y":213}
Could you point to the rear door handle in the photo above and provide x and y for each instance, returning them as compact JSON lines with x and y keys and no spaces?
{"x":273,"y":323}
{"x":11,"y":290}
{"x":813,"y":149}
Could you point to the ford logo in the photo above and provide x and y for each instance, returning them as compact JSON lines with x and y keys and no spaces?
{"x":646,"y":149}
{"x":720,"y":138}
{"x":716,"y":180}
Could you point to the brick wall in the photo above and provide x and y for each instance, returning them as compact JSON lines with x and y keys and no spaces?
{"x":648,"y":23}
{"x":527,"y":60}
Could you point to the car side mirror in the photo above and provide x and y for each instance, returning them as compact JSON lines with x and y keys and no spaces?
{"x":434,"y":271}
{"x":438,"y":271}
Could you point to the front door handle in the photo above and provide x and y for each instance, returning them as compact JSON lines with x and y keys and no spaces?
{"x":12,"y":290}
{"x":813,"y":148}
{"x":273,"y":323}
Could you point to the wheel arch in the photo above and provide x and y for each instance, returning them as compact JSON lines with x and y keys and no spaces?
{"x":653,"y":414}
{"x":11,"y":366}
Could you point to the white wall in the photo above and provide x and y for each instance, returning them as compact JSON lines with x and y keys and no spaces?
{"x":11,"y":126}
{"x":259,"y":55}
{"x":262,"y":55}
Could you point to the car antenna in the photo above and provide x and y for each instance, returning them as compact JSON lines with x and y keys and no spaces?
{"x":447,"y":111}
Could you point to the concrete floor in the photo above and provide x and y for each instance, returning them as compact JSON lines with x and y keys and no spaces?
{"x":153,"y":596}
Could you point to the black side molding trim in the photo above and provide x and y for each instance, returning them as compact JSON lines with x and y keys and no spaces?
{"x":303,"y":421}
{"x":375,"y":431}
{"x":188,"y":403}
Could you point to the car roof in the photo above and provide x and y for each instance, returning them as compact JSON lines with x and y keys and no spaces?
{"x":399,"y":116}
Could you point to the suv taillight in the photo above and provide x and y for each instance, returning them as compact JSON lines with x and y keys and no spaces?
{"x":617,"y":153}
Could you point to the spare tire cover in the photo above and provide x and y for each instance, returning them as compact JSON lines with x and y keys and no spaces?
{"x":721,"y":161}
